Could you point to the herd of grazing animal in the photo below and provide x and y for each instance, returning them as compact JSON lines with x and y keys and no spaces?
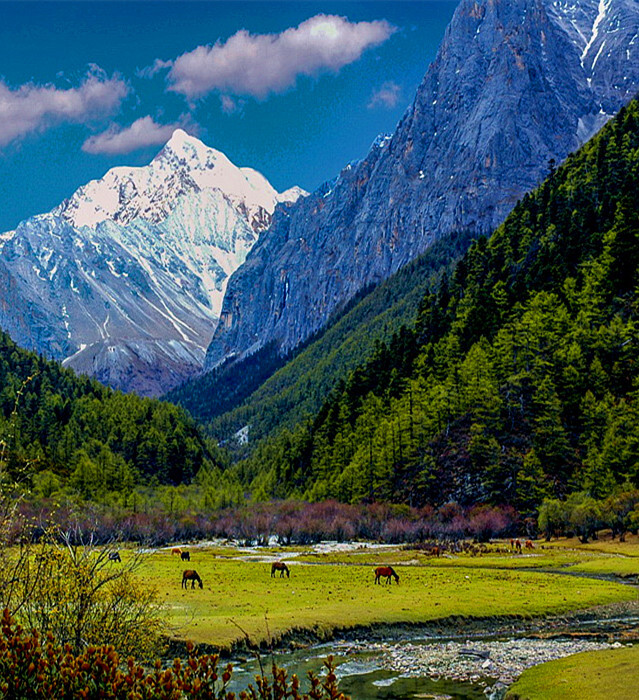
{"x":381,"y":572}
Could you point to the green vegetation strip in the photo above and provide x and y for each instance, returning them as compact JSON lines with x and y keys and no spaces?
{"x":325,"y":598}
{"x":610,"y":675}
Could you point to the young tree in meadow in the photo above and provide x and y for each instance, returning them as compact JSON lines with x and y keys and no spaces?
{"x":584,"y":515}
{"x":553,"y":518}
{"x":617,"y":511}
{"x":61,"y":582}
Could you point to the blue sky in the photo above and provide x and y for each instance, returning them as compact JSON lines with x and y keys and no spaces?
{"x":293,"y":89}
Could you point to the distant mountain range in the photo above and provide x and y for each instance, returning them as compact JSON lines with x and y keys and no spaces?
{"x":127,"y":279}
{"x":516,"y":84}
{"x":124,"y":280}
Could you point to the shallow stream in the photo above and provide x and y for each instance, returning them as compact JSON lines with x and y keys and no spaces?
{"x":362,"y":675}
{"x":476,"y":665}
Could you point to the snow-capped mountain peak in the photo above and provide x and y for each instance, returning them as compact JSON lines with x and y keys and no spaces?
{"x":128,"y":274}
{"x":185,"y":165}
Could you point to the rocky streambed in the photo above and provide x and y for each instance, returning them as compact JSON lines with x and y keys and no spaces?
{"x":492,"y":665}
{"x":457,"y":659}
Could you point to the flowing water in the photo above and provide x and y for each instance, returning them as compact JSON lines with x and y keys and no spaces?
{"x":361,"y":675}
{"x":408,"y":666}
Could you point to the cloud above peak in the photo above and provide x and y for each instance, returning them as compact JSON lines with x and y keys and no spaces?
{"x":34,"y":108}
{"x":257,"y":65}
{"x":388,"y":95}
{"x":142,"y":133}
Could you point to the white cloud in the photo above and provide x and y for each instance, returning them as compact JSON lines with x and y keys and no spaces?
{"x":231,"y":105}
{"x":260,"y":64}
{"x":387,"y":96}
{"x":142,"y":133}
{"x":34,"y":108}
{"x":157,"y":66}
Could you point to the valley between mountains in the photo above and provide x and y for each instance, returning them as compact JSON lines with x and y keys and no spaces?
{"x":429,"y":362}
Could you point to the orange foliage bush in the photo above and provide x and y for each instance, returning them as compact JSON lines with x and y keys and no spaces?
{"x":38,"y":669}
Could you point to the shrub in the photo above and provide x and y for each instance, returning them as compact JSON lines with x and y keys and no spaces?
{"x":43,"y":669}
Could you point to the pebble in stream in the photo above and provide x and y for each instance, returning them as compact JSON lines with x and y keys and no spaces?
{"x":499,"y":663}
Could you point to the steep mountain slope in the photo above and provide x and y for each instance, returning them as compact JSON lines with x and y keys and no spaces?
{"x":57,"y":426}
{"x":124,"y":280}
{"x":519,"y":379}
{"x":515,"y":84}
{"x":267,"y":391}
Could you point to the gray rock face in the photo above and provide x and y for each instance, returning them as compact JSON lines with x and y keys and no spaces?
{"x":515,"y":83}
{"x":124,"y":280}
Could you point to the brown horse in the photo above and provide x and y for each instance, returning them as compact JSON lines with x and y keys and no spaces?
{"x":281,"y":567}
{"x":529,"y":544}
{"x":185,"y":556}
{"x":176,"y":550}
{"x":385,"y":572}
{"x":192,"y":576}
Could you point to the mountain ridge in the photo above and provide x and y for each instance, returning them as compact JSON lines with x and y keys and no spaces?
{"x":127,"y":275}
{"x":517,"y":381}
{"x":514,"y":85}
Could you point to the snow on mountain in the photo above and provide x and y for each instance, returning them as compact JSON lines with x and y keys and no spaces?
{"x":125,"y":279}
{"x":184,"y":166}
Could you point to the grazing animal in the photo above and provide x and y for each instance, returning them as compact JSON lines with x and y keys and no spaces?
{"x":529,"y":544}
{"x":176,"y":550}
{"x":114,"y":556}
{"x":518,"y":546}
{"x":186,"y":556}
{"x":281,"y":567}
{"x":386,"y":572}
{"x":192,"y":576}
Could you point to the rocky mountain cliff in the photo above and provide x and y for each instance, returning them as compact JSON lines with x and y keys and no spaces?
{"x":124,"y":280}
{"x":515,"y":84}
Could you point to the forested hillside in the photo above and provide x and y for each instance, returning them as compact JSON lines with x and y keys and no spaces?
{"x":267,"y":391}
{"x":66,"y":429}
{"x":519,"y":378}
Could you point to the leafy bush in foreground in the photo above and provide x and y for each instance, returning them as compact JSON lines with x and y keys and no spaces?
{"x":42,"y":669}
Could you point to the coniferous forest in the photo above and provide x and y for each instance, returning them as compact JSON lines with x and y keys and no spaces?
{"x":513,"y":384}
{"x":517,"y":382}
{"x":59,"y":429}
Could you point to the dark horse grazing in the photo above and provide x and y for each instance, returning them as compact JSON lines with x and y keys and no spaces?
{"x":114,"y":556}
{"x":281,"y":567}
{"x":385,"y":572}
{"x":192,"y":576}
{"x":186,"y":556}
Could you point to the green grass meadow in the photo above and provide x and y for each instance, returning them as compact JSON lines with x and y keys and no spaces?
{"x":338,"y":591}
{"x":612,"y":674}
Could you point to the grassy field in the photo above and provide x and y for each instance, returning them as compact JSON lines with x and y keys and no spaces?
{"x":610,"y":675}
{"x":494,"y":558}
{"x":337,"y":590}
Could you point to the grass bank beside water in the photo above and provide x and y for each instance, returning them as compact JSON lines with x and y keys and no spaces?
{"x":612,"y":674}
{"x":240,"y":596}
